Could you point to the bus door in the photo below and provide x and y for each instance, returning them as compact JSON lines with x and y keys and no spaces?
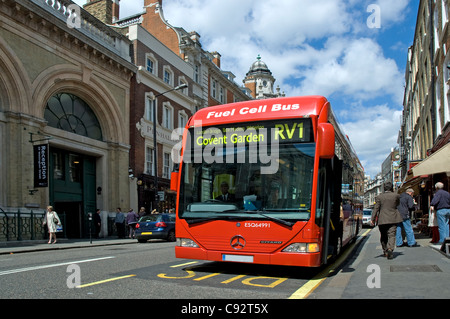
{"x":329,"y":206}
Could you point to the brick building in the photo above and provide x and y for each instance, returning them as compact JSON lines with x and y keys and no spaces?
{"x":211,"y":85}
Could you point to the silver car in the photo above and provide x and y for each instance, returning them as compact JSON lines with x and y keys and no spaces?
{"x":367,"y":217}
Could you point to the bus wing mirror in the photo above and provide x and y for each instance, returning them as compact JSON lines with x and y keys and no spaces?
{"x":174,"y":181}
{"x":326,"y":140}
{"x":174,"y":176}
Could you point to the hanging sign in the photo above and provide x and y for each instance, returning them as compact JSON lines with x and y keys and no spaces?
{"x":41,"y":165}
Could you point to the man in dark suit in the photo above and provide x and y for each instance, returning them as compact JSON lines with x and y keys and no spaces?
{"x":226,"y":196}
{"x":386,"y":215}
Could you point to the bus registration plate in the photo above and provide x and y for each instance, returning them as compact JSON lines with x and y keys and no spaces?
{"x":237,"y":258}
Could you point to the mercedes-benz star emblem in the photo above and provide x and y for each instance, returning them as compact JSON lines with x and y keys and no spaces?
{"x":237,"y":242}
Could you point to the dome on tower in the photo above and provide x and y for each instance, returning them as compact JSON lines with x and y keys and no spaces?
{"x":259,"y":67}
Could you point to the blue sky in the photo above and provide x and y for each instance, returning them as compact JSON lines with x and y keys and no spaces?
{"x":324,"y":47}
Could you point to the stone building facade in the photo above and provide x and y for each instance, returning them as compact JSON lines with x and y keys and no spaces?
{"x":425,"y":127}
{"x":67,"y":89}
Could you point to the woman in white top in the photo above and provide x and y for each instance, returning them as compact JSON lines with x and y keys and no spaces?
{"x":51,"y":220}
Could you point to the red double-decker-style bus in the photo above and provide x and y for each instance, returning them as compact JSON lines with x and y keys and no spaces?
{"x":271,"y":181}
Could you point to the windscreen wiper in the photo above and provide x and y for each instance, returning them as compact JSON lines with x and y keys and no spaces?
{"x":193,"y":221}
{"x":257,"y":212}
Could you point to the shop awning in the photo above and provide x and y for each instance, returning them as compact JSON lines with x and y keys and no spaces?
{"x":438,"y":162}
{"x":413,"y":182}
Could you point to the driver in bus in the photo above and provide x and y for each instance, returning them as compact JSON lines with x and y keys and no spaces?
{"x":225,"y":196}
{"x":273,"y":196}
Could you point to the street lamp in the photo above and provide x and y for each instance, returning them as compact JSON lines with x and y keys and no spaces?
{"x":155,"y":145}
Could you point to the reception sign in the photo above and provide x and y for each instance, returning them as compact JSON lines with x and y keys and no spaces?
{"x":41,"y":165}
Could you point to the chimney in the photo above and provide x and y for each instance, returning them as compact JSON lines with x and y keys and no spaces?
{"x":106,"y":11}
{"x":115,"y":10}
{"x":216,"y":58}
{"x":149,"y":2}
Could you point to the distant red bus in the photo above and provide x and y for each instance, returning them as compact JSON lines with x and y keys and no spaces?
{"x":271,"y":181}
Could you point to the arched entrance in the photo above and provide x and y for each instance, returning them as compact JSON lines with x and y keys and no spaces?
{"x":72,"y":189}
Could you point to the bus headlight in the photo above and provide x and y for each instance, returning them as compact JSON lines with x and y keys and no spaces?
{"x":186,"y":242}
{"x":302,"y":248}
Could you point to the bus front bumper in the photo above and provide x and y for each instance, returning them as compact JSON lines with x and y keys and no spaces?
{"x":277,"y":258}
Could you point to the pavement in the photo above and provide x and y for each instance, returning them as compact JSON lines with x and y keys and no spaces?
{"x":26,"y":246}
{"x":414,"y":273}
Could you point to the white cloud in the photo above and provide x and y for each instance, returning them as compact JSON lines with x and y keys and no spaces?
{"x":353,"y":67}
{"x":392,"y":11}
{"x":373,"y":132}
{"x":269,"y":23}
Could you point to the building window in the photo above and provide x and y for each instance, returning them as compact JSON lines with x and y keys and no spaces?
{"x":197,"y":73}
{"x":75,"y":168}
{"x":182,"y":119}
{"x":149,"y":167}
{"x":168,"y":117}
{"x":150,"y":65}
{"x":166,"y":167}
{"x":182,"y":81}
{"x":168,"y":75}
{"x":68,"y":112}
{"x":214,"y":89}
{"x":221,"y":95}
{"x":149,"y":116}
{"x":58,"y":166}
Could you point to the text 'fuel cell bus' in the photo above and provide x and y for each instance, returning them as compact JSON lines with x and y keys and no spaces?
{"x":267,"y":181}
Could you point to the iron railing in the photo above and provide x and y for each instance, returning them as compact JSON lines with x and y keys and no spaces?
{"x":25,"y":225}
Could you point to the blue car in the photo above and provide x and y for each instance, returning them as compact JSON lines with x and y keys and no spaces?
{"x":156,"y":226}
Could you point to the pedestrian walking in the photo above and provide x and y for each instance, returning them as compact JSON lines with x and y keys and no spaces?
{"x":406,"y":206}
{"x":97,"y":223}
{"x":120,"y":223}
{"x":51,"y":219}
{"x":142,"y":212}
{"x":132,"y":219}
{"x":386,"y":216}
{"x":441,"y":205}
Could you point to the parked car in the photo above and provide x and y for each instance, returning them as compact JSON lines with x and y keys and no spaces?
{"x":367,"y":217}
{"x":156,"y":226}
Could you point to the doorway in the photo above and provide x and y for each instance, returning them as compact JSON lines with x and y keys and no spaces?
{"x":72,"y":189}
{"x":72,"y":214}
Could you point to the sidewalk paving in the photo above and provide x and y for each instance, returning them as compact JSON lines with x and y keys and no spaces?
{"x":414,"y":273}
{"x":25,"y":246}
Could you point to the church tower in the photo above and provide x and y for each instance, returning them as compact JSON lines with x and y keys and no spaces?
{"x":260,"y":82}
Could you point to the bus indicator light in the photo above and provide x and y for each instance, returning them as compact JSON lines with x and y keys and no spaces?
{"x":302,"y":248}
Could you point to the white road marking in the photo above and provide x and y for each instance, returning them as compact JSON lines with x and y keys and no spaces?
{"x":14,"y":271}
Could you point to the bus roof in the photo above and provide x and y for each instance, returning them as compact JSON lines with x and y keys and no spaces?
{"x":260,"y":110}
